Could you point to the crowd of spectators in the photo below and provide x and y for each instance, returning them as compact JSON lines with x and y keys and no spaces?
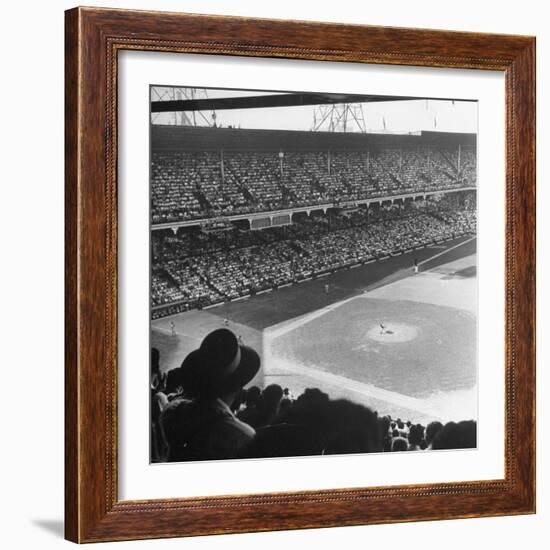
{"x":193,"y":424}
{"x":194,"y":185}
{"x":194,"y":269}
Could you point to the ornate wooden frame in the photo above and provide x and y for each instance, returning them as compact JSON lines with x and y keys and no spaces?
{"x":93,"y":511}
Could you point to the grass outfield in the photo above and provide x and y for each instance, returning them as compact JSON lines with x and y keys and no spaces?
{"x":423,"y":367}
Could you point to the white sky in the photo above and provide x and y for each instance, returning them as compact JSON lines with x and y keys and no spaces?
{"x":399,"y":117}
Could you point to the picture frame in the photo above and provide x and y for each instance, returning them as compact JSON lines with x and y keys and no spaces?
{"x":94,"y":37}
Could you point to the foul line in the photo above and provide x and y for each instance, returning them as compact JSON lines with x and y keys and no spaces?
{"x":445,"y":251}
{"x":169,"y":332}
{"x":343,"y":382}
{"x":286,"y":326}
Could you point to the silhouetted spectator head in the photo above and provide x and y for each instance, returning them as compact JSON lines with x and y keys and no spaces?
{"x":155,"y":360}
{"x":340,"y":425}
{"x":432,"y":430}
{"x":284,"y":405}
{"x":461,"y":435}
{"x":252,"y":396}
{"x":399,"y":444}
{"x":157,"y":379}
{"x":220,"y":367}
{"x":174,"y":379}
{"x":313,"y":395}
{"x":271,"y":398}
{"x":384,"y":424}
{"x":395,"y":432}
{"x":355,"y":429}
{"x":240,"y":398}
{"x":416,"y":434}
{"x":267,"y":407}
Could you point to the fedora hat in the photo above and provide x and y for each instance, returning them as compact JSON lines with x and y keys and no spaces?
{"x":219,"y":366}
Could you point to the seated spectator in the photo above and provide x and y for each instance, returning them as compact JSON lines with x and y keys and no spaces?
{"x":461,"y":435}
{"x":416,"y":435}
{"x":158,"y":404}
{"x":266,"y":409}
{"x":312,"y":395}
{"x":432,"y":430}
{"x":282,"y":440}
{"x":385,"y":423}
{"x":253,"y":396}
{"x":251,"y":400}
{"x":285,"y":404}
{"x":202,"y":425}
{"x":353,"y":428}
{"x":158,"y":379}
{"x":399,"y":444}
{"x":239,"y":400}
{"x":174,"y":383}
{"x":338,"y":426}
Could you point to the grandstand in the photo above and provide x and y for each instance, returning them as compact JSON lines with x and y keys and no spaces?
{"x":364,"y":197}
{"x":239,"y":174}
{"x":300,"y":242}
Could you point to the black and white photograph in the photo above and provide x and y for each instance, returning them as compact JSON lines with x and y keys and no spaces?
{"x":313,"y":274}
{"x":274,"y":275}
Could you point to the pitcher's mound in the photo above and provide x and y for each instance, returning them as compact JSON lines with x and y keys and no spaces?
{"x":392,"y":333}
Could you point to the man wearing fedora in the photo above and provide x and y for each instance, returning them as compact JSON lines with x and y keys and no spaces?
{"x":201,"y":425}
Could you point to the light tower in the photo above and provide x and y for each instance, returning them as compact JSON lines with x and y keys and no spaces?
{"x":339,"y":117}
{"x":181,"y":118}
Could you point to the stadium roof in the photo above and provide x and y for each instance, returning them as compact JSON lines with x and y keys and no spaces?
{"x":280,"y":100}
{"x":200,"y":138}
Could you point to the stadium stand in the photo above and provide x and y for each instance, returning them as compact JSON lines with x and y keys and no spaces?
{"x":277,"y":424}
{"x":194,"y":269}
{"x":190,"y":185}
{"x":246,"y":171}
